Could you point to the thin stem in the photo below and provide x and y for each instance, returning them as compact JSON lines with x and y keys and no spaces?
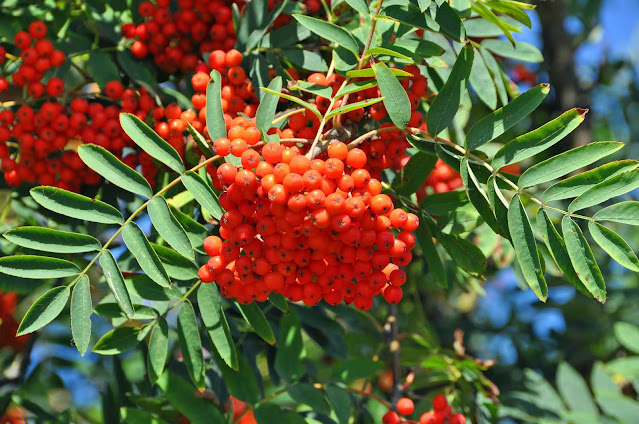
{"x":361,"y":62}
{"x":392,"y":334}
{"x":359,"y":140}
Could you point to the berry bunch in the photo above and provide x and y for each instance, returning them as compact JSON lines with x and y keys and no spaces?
{"x":441,"y":179}
{"x":13,"y":415}
{"x":308,"y":229}
{"x":177,"y":39}
{"x":8,"y":324}
{"x":37,"y":55}
{"x":440,"y":414}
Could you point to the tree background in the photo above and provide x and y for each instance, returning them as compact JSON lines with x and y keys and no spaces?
{"x":591,"y":59}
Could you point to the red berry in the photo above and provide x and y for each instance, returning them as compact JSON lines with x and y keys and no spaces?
{"x":405,"y":406}
{"x":390,"y":417}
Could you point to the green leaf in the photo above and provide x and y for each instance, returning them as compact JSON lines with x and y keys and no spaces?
{"x":490,"y":16}
{"x":75,"y":205}
{"x":523,"y":241}
{"x":139,"y":416}
{"x":582,"y":259}
{"x":102,"y":68}
{"x":175,"y":95}
{"x":268,"y":106}
{"x":201,"y":141}
{"x":308,"y":394}
{"x":567,"y":162}
{"x":112,"y":169}
{"x":424,"y":4}
{"x":116,"y":283}
{"x":578,"y":184}
{"x":117,"y":341}
{"x":255,"y":317}
{"x":496,"y":72}
{"x":464,"y":253}
{"x":194,"y":230}
{"x":352,"y":106}
{"x":149,"y":141}
{"x":522,"y":51}
{"x":49,"y":240}
{"x":202,"y":193}
{"x":290,"y":353}
{"x":39,"y":267}
{"x":619,"y":406}
{"x":242,"y":383}
{"x":439,"y":203}
{"x":196,"y":408}
{"x":558,"y":251}
{"x":354,"y":369}
{"x":297,"y":100}
{"x":209,"y":302}
{"x":267,"y":413}
{"x":478,"y":197}
{"x":340,"y":401}
{"x":415,"y":46}
{"x":360,"y":6}
{"x":499,"y":205}
{"x":81,"y":314}
{"x":44,"y":310}
{"x":482,"y":82}
{"x":140,"y":247}
{"x":510,"y":9}
{"x":395,"y":97}
{"x":538,"y":140}
{"x":169,"y":227}
{"x":190,"y":343}
{"x":444,"y":107}
{"x":279,"y":301}
{"x":628,"y":335}
{"x":415,"y":172}
{"x":330,"y":32}
{"x":308,"y":60}
{"x":387,"y":51}
{"x":623,"y":212}
{"x":176,"y":265}
{"x":433,"y":260}
{"x":500,"y":121}
{"x":574,"y":390}
{"x":606,"y":190}
{"x":450,"y":23}
{"x":158,"y":350}
{"x":410,"y":15}
{"x":370,"y":73}
{"x":614,"y":245}
{"x":214,"y":115}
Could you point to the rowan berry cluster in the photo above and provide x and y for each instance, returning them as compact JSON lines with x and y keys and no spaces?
{"x":177,"y":39}
{"x":441,"y":179}
{"x":308,"y":229}
{"x":37,"y":55}
{"x":440,"y":414}
{"x":8,"y":324}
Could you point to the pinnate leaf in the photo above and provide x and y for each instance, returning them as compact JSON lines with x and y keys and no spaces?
{"x":523,"y":241}
{"x":614,"y":245}
{"x":202,"y":193}
{"x":39,"y":267}
{"x":115,"y":281}
{"x":582,"y":259}
{"x":149,"y":141}
{"x":444,"y":107}
{"x":500,"y":121}
{"x":44,"y":310}
{"x":395,"y":97}
{"x":49,"y":240}
{"x":76,"y":206}
{"x":114,"y":170}
{"x":169,"y":227}
{"x":81,"y":314}
{"x":140,"y":247}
